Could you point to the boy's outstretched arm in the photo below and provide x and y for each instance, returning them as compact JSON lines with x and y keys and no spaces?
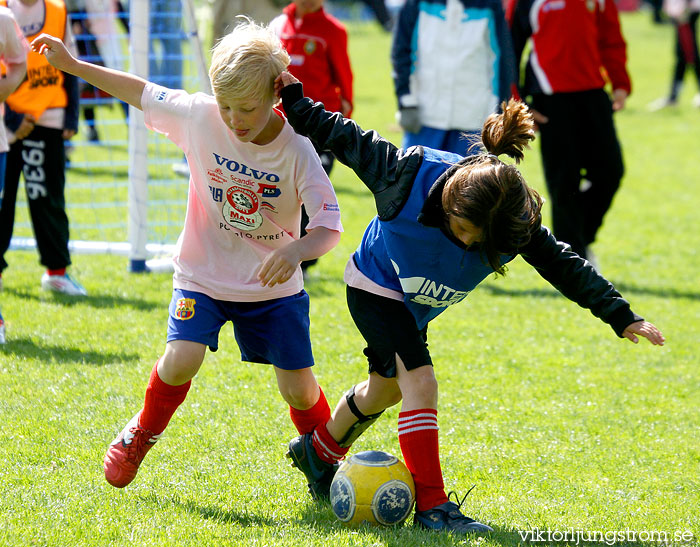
{"x":645,"y":329}
{"x":280,"y":264}
{"x":125,"y":87}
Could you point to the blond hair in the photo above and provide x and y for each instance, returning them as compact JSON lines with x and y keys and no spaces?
{"x":246,"y":62}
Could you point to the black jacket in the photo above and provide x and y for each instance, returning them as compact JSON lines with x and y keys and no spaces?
{"x":389,"y":172}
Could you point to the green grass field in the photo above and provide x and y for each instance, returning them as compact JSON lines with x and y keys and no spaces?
{"x":561,"y":425}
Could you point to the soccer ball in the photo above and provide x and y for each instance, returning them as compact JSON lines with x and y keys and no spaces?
{"x":373,"y":487}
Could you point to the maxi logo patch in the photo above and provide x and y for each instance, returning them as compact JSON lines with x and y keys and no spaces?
{"x":240,"y":209}
{"x":184,"y":308}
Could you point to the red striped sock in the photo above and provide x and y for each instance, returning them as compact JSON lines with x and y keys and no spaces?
{"x":326,"y":446}
{"x":161,"y":402}
{"x":306,"y":420}
{"x":418,"y":438}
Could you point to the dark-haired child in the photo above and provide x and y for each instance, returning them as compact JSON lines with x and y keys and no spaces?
{"x":444,"y":223}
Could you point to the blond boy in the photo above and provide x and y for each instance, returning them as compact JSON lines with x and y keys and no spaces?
{"x":238,"y":255}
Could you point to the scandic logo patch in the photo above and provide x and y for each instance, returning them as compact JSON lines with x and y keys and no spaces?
{"x":184,"y":308}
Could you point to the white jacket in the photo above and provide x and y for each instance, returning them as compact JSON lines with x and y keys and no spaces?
{"x":454,"y":60}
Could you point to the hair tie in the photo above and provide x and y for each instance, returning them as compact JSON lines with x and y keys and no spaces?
{"x":492,"y":156}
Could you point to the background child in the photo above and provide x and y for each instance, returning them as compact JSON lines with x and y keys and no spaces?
{"x":42,"y":114}
{"x":239,"y":252}
{"x":317,"y":44}
{"x":684,"y":16}
{"x":565,"y":79}
{"x":13,"y":57}
{"x":444,"y":224}
{"x":453,"y":65}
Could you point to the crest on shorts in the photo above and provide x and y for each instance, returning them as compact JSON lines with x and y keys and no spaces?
{"x":184,"y":308}
{"x":240,"y":208}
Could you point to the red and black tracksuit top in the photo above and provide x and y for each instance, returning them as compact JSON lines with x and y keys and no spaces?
{"x":576,"y":45}
{"x":318,"y":47}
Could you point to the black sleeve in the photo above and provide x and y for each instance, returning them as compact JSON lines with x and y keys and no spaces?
{"x":402,"y":52}
{"x":518,"y":15}
{"x":576,"y":279}
{"x":70,"y":84}
{"x":385,"y":169}
{"x":506,"y":60}
{"x":12,"y":119}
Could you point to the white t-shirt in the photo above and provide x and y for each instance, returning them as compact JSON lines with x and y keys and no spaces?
{"x":244,"y":199}
{"x":13,"y":49}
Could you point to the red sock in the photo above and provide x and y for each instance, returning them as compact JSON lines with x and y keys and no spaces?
{"x":60,"y":271}
{"x":306,"y":420}
{"x":326,"y":446}
{"x":418,"y":438}
{"x":161,"y":402}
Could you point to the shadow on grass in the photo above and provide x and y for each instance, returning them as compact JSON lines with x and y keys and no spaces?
{"x":27,"y":347}
{"x":500,"y":291}
{"x":623,"y":288}
{"x":320,"y":517}
{"x":95,"y":301}
{"x":212,"y":512}
{"x":665,"y":292}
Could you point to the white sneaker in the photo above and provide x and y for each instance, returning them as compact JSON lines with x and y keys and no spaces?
{"x":62,"y":283}
{"x":2,"y":330}
{"x":696,"y":100}
{"x":660,"y":104}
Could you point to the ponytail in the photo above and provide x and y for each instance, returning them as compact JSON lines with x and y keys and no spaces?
{"x":510,"y":131}
{"x":493,"y":195}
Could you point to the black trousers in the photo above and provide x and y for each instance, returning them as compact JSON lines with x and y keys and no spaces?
{"x":40,"y":158}
{"x":579,"y":142}
{"x":686,"y":54}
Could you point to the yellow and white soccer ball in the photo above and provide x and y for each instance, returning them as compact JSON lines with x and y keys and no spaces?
{"x":373,"y":487}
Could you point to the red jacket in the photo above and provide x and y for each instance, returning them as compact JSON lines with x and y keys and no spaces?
{"x":576,"y":45}
{"x":318,"y":46}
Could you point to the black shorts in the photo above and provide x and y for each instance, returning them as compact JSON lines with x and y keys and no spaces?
{"x":389,"y":328}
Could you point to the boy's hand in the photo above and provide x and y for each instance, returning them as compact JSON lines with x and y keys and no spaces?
{"x":279,"y":266}
{"x":54,"y":50}
{"x":283,"y":80}
{"x":645,"y":329}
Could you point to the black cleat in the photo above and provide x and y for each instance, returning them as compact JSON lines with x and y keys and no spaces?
{"x":447,"y":517}
{"x":319,"y":474}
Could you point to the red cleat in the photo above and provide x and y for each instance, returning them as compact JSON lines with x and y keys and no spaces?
{"x":126,"y":452}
